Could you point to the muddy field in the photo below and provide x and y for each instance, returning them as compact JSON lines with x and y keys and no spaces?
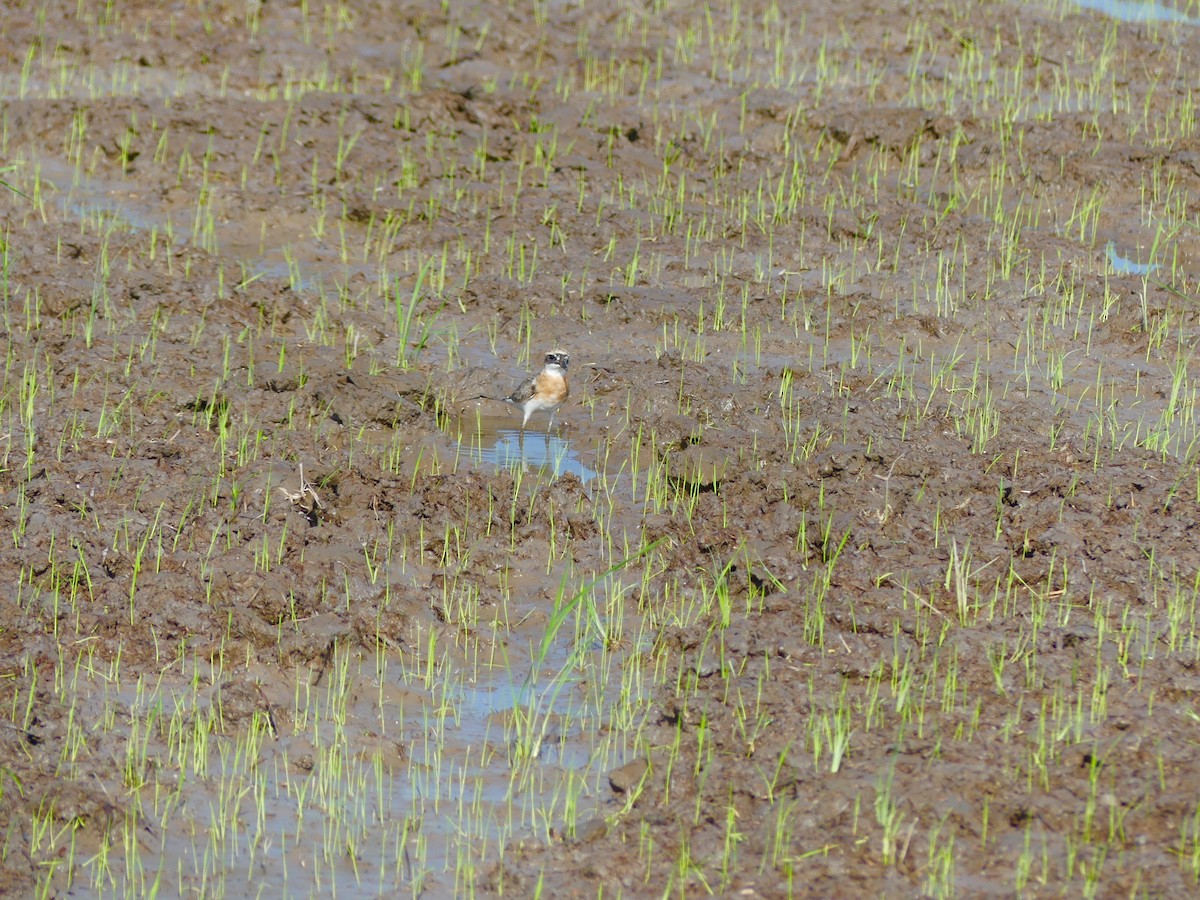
{"x":861,"y":561}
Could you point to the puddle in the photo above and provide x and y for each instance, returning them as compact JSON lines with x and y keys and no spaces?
{"x":543,"y":452}
{"x":1123,"y":266}
{"x":507,"y":754}
{"x":486,"y":441}
{"x":256,"y":241}
{"x":420,"y":778}
{"x":1134,"y":11}
{"x":392,"y":772}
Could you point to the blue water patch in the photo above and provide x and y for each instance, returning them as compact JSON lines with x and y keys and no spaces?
{"x":1136,"y":11}
{"x":1123,"y":266}
{"x":530,"y":450}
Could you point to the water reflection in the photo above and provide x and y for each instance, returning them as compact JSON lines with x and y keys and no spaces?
{"x":532,"y":450}
{"x":1137,"y":11}
{"x":254,"y":239}
{"x":1123,"y":266}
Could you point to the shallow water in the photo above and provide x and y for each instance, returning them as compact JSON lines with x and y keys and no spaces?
{"x":1124,"y":266}
{"x":510,"y":448}
{"x":1138,"y":11}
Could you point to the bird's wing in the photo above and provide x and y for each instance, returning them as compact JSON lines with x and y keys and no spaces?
{"x":525,"y":391}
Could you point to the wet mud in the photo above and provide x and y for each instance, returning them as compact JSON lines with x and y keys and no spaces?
{"x":879,"y":455}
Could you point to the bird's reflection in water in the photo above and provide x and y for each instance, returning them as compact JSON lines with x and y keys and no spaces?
{"x":524,"y":450}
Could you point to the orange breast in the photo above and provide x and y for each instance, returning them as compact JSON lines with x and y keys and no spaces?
{"x":551,"y":388}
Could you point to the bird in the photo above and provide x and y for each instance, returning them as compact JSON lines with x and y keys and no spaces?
{"x":545,"y":390}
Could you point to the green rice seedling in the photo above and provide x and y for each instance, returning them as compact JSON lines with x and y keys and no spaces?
{"x":894,"y":842}
{"x":1188,"y":847}
{"x":409,"y":342}
{"x":939,"y":879}
{"x":139,"y":553}
{"x":832,"y":730}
